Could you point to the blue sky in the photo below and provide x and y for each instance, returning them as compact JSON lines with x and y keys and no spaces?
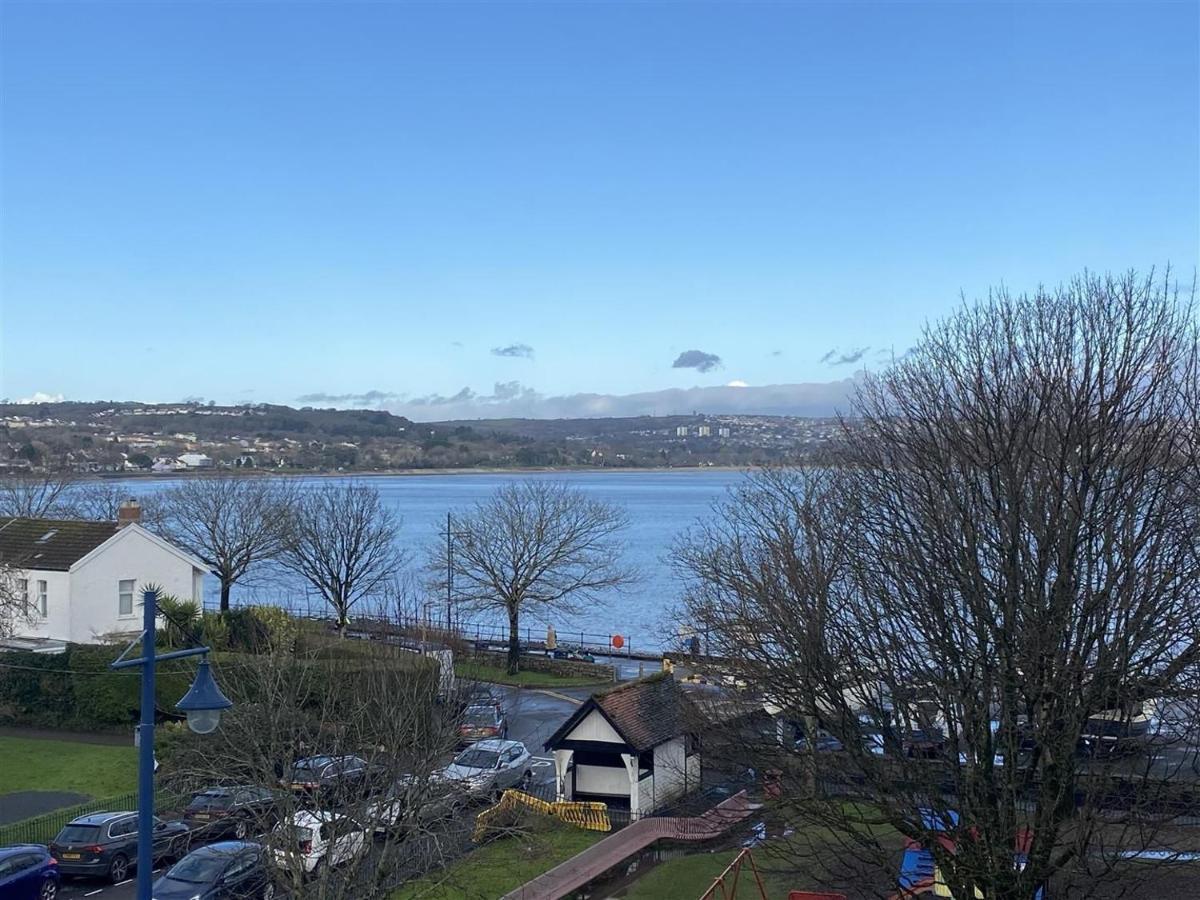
{"x":263,"y":201}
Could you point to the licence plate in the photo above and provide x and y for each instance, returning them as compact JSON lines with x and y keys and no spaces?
{"x":72,"y":856}
{"x":203,"y":817}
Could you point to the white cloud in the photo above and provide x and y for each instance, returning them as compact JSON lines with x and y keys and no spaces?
{"x":737,"y":383}
{"x":42,"y":397}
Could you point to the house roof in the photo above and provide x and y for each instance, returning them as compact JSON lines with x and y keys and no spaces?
{"x":51,"y":544}
{"x":645,"y":713}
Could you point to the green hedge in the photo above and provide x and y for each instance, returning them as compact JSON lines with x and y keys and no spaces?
{"x":77,"y":690}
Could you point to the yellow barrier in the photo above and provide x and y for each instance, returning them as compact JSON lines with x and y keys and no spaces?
{"x":591,"y":816}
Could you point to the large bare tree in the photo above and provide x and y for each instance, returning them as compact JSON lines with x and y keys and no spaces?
{"x":34,"y":495}
{"x":1001,"y":568}
{"x":343,"y":541}
{"x":536,"y":547}
{"x":230,"y":522}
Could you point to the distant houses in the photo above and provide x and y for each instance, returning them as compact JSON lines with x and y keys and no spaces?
{"x":195,"y":461}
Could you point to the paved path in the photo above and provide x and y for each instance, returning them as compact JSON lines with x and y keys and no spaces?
{"x":593,"y":862}
{"x":20,"y":805}
{"x":111,"y":738}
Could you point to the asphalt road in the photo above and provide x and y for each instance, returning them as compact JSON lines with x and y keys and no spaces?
{"x":532,"y":717}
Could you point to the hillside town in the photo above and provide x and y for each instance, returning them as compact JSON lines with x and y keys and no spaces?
{"x":167,"y":439}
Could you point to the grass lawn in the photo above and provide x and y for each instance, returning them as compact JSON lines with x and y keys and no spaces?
{"x":477,"y":672}
{"x":690,"y":876}
{"x":502,"y":865}
{"x":98,"y":770}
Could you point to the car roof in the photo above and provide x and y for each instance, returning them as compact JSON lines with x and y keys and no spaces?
{"x":495,"y":744}
{"x":311,"y":817}
{"x":225,"y":848}
{"x":99,"y":818}
{"x":14,"y":849}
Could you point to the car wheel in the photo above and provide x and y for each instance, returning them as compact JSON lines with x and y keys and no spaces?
{"x":118,"y":869}
{"x":240,"y":830}
{"x":49,"y":890}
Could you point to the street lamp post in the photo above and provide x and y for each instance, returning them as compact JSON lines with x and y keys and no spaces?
{"x":203,"y":704}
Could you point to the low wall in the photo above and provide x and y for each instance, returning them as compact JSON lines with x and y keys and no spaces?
{"x":531,"y":662}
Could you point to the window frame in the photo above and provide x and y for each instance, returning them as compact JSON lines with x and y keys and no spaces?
{"x":132,"y":592}
{"x":42,"y":604}
{"x":23,"y":593}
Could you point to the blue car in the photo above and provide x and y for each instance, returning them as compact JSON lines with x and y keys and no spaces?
{"x":28,"y":872}
{"x":226,"y":870}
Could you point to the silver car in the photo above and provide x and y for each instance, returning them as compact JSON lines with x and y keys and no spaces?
{"x":487,"y":768}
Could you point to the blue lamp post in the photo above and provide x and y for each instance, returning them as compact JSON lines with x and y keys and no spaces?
{"x":203,"y":704}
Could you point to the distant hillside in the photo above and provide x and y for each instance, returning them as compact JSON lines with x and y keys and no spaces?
{"x":122,"y":436}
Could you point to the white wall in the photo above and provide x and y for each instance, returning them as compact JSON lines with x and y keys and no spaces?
{"x":56,"y":625}
{"x":611,"y":780}
{"x":594,"y":727}
{"x":669,"y":771}
{"x":95,"y":584}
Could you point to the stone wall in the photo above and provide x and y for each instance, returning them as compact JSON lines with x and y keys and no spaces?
{"x":531,"y":662}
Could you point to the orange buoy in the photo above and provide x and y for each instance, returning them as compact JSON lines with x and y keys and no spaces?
{"x":618,"y":641}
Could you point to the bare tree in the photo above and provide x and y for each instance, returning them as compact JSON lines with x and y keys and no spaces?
{"x":230,"y":522}
{"x":44,"y":495}
{"x":14,"y":600}
{"x":1001,"y":569}
{"x":377,"y":710}
{"x":343,"y":541}
{"x":534,"y":546}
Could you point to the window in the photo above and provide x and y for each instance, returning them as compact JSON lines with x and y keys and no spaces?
{"x":41,"y":598}
{"x":23,"y":592}
{"x":125,"y":598}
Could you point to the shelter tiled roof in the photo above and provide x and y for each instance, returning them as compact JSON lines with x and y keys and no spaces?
{"x":645,"y":713}
{"x":51,"y":544}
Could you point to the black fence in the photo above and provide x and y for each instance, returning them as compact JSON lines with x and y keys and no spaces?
{"x":42,"y":829}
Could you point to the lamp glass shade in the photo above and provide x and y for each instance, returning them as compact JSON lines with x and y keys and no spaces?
{"x":203,"y":721}
{"x":204,"y":701}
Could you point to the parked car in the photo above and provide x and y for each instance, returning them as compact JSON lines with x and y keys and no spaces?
{"x":226,"y":870}
{"x":568,"y":653}
{"x":331,"y":777}
{"x":482,"y":721}
{"x":487,"y":768}
{"x":317,"y":840}
{"x":238,"y":812}
{"x":105,"y":844}
{"x":28,"y":872}
{"x":410,"y":802}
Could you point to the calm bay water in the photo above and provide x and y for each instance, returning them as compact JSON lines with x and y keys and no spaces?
{"x":660,"y":504}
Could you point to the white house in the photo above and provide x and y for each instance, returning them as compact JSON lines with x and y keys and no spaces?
{"x":196,"y":461}
{"x":631,"y":747}
{"x":82,"y":580}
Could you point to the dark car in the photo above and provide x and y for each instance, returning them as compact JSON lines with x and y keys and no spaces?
{"x":28,"y":872}
{"x":226,"y":870}
{"x":105,"y":844}
{"x":576,"y":655}
{"x":481,"y":721}
{"x":238,"y":812}
{"x":330,"y":777}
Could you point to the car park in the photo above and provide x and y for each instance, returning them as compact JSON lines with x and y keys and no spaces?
{"x":226,"y":870}
{"x":105,"y":844}
{"x":488,"y":768}
{"x":481,"y":721}
{"x":238,"y":812}
{"x":317,"y":840}
{"x":28,"y":872}
{"x":335,"y":778}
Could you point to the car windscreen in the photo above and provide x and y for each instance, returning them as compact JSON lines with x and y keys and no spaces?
{"x":310,"y":768}
{"x":298,"y":833}
{"x":475,"y":758}
{"x":78,"y":834}
{"x":198,"y":868}
{"x":480,"y":717}
{"x":211,"y":801}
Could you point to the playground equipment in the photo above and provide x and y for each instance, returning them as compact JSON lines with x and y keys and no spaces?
{"x":590,"y":816}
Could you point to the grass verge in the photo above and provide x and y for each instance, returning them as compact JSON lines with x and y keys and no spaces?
{"x":97,"y":770}
{"x":495,"y":675}
{"x":502,"y":865}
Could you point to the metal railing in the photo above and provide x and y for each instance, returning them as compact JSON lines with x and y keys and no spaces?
{"x":43,"y":829}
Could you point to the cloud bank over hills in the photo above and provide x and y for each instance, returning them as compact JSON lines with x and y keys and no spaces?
{"x":514,"y":400}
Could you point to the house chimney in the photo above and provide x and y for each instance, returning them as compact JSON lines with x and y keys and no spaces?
{"x":129,"y":513}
